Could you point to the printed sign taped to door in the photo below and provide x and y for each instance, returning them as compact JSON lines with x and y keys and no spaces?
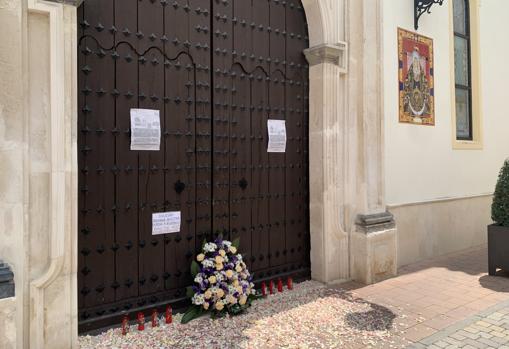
{"x":166,"y":223}
{"x":277,"y":136}
{"x":145,"y":129}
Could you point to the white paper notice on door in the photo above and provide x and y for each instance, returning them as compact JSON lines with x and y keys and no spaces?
{"x":277,"y":136}
{"x":165,"y":223}
{"x":145,"y":129}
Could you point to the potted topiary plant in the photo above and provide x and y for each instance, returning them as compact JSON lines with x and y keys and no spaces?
{"x":498,"y":233}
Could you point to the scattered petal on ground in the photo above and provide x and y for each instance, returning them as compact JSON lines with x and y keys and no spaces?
{"x":310,"y":316}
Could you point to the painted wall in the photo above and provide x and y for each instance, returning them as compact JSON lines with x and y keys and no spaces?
{"x":421,"y":164}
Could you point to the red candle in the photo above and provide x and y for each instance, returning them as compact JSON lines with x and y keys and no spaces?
{"x":141,"y":321}
{"x":289,"y":283}
{"x":279,"y":285}
{"x":125,"y":325}
{"x":155,"y":321}
{"x":271,"y":287}
{"x":264,"y":290}
{"x":168,"y":315}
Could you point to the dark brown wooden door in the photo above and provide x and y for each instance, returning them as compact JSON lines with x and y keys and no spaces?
{"x":217,"y":70}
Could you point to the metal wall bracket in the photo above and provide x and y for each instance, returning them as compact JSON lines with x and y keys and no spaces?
{"x":336,"y":54}
{"x":421,"y":7}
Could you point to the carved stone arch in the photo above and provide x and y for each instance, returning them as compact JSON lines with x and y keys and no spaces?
{"x":315,"y":17}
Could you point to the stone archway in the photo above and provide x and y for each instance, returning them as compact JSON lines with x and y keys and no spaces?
{"x":346,"y":174}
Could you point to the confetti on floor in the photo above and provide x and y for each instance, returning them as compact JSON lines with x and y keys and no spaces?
{"x":310,"y":316}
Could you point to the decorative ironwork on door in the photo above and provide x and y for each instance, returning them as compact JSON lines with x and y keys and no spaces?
{"x":217,"y":71}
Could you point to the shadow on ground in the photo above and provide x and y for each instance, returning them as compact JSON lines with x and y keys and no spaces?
{"x":363,"y":321}
{"x":497,"y":283}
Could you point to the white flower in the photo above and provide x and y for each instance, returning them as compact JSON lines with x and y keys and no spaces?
{"x":198,"y":279}
{"x":198,"y":299}
{"x":227,"y":243}
{"x":209,"y":263}
{"x":210,"y":247}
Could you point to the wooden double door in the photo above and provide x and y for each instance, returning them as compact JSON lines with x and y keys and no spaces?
{"x":216,"y":70}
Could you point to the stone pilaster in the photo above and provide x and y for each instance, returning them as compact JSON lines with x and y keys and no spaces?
{"x":373,"y":247}
{"x":50,"y":303}
{"x":346,"y":143}
{"x":329,"y":239}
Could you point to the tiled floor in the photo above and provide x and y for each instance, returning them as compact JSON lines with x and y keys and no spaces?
{"x":430,"y":296}
{"x":487,"y":330}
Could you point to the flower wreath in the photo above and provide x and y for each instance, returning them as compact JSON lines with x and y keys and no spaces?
{"x":222,"y":283}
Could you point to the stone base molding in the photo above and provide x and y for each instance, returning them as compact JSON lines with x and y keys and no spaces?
{"x":375,"y":222}
{"x":374,"y":248}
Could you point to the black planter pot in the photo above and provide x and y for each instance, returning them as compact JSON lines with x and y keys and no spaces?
{"x":498,"y":248}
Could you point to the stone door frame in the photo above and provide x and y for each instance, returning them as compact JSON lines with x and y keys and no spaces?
{"x":346,"y":154}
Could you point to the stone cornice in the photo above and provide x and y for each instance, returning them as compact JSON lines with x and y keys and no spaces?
{"x":328,"y":53}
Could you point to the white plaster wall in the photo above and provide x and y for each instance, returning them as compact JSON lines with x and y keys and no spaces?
{"x":421,"y":164}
